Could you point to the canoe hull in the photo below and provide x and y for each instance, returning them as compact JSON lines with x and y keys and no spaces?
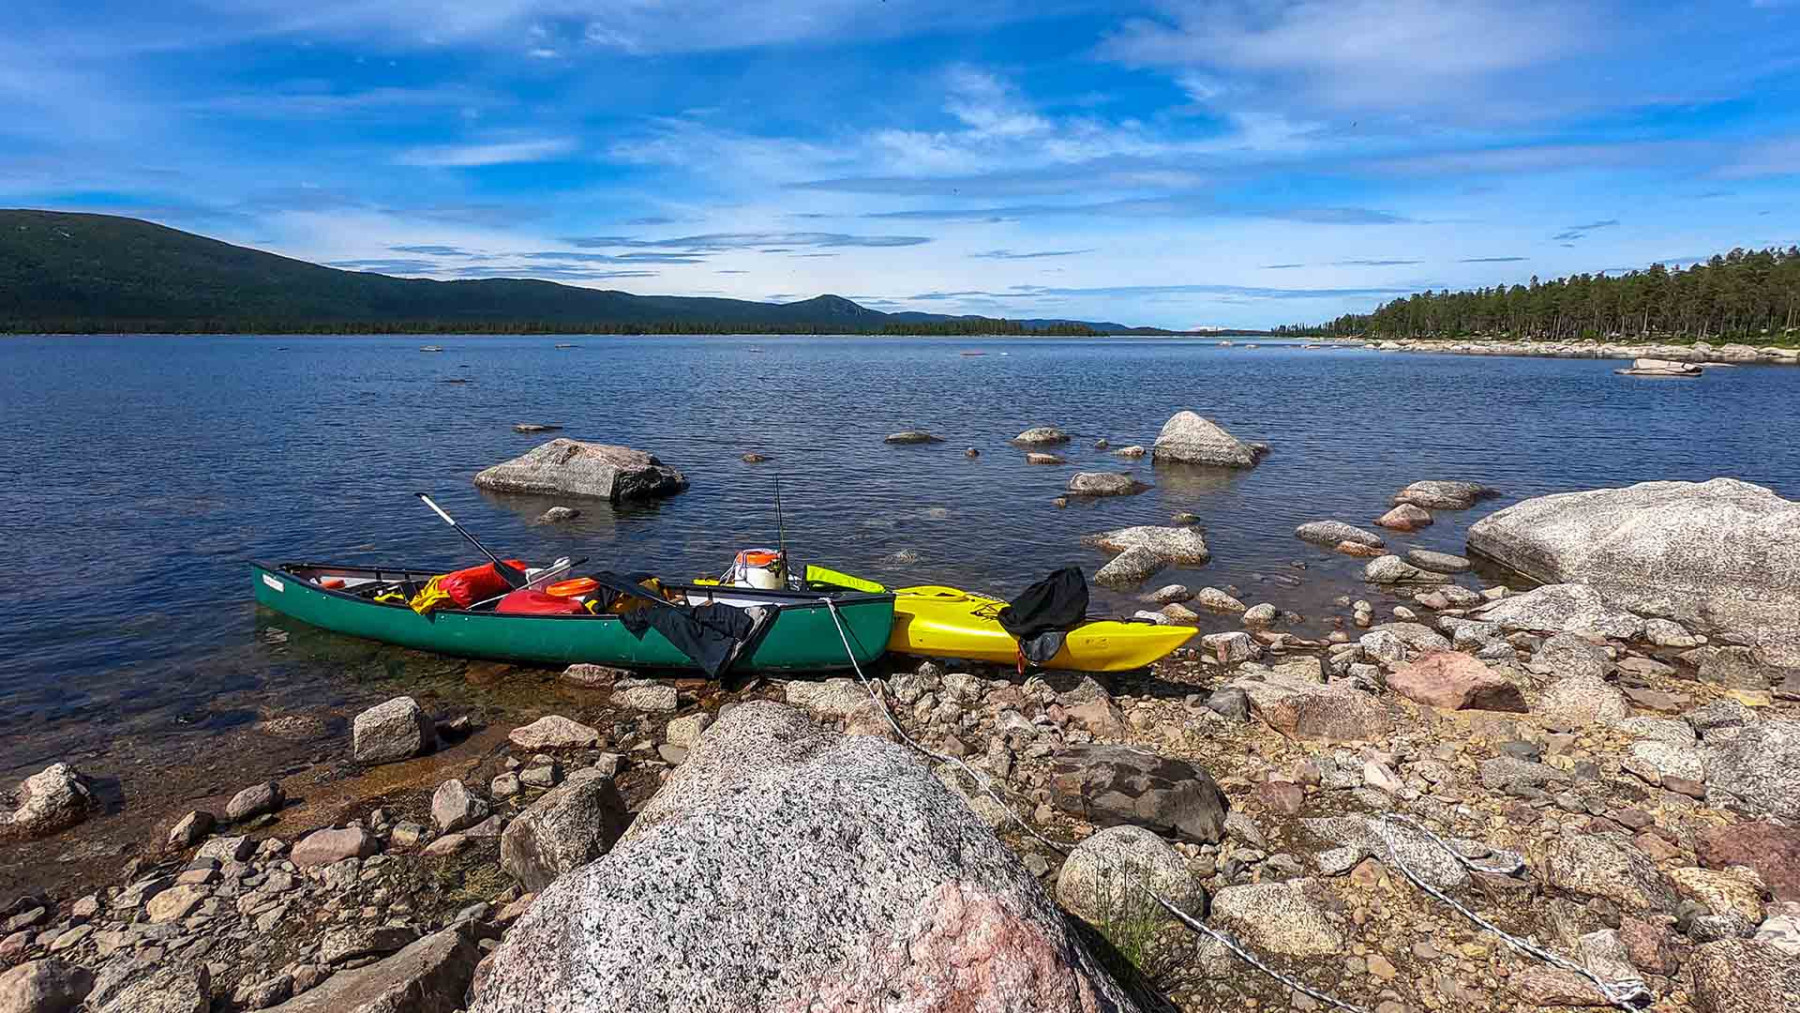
{"x":948,"y":623}
{"x":802,"y":637}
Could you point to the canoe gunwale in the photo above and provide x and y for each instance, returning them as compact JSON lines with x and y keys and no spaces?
{"x":799,"y":599}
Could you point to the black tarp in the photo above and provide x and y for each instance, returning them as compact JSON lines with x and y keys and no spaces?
{"x":1057,"y":602}
{"x":714,"y":635}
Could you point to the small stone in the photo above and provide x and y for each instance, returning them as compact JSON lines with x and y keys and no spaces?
{"x":255,"y":800}
{"x":554,"y":731}
{"x":191,"y":829}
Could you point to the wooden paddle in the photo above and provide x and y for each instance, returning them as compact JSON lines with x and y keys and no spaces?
{"x":507,"y":572}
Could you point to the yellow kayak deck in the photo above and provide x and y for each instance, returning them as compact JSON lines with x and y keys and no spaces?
{"x":946,"y":622}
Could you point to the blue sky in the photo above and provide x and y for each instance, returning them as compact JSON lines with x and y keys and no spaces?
{"x":1183,"y":163}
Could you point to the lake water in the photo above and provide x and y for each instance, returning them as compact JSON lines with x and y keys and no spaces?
{"x":139,"y":474}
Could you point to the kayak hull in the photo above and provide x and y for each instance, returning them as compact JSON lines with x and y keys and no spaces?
{"x":945,"y":622}
{"x":802,"y":637}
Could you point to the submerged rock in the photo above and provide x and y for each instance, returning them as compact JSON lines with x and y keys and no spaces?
{"x":1331,"y":533}
{"x":565,"y":467}
{"x":1041,"y":436}
{"x":1722,"y":554}
{"x":1187,"y":438}
{"x":912,"y":436}
{"x":1104,"y":483}
{"x":1405,"y":517}
{"x":786,"y":867}
{"x":1660,"y":367}
{"x":1394,"y":570}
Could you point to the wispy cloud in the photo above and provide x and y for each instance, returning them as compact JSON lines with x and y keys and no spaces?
{"x":433,"y":251}
{"x":1035,"y":255}
{"x":1575,"y":232}
{"x":475,"y":155}
{"x":1492,"y":260}
{"x":1372,"y":263}
{"x":716,"y":242}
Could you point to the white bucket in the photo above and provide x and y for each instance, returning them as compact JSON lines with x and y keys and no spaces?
{"x":758,"y":568}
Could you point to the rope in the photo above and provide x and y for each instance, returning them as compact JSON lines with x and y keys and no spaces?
{"x":1629,"y":994}
{"x":982,"y":781}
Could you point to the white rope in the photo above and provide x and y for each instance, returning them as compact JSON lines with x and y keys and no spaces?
{"x":986,"y":785}
{"x":1626,"y":993}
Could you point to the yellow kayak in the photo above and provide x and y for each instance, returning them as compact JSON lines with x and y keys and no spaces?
{"x":945,"y":622}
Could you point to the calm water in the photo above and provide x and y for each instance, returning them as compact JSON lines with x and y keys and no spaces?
{"x":138,"y":474}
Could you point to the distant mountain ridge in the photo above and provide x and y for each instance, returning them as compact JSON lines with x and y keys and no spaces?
{"x":67,"y":272}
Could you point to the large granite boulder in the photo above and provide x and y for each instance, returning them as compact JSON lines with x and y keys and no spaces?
{"x":1189,"y":439}
{"x":1739,"y":976}
{"x":1113,"y":786}
{"x":1713,"y":555}
{"x":785,"y":867}
{"x":565,"y":467}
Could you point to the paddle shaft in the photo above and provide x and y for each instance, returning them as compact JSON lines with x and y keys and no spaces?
{"x":507,"y":572}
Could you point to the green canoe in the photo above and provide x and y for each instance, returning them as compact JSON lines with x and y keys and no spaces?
{"x":802,"y":636}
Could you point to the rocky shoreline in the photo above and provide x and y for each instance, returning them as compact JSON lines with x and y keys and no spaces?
{"x":1617,"y":764}
{"x":1702,"y":352}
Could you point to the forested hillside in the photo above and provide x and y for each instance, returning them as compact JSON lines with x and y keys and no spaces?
{"x":1742,"y":295}
{"x":62,"y":272}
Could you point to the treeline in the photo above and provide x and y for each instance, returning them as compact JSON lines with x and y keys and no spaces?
{"x":970,"y":327}
{"x":1742,"y":295}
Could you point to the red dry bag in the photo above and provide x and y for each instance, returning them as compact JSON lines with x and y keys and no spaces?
{"x":527,"y":602}
{"x":477,"y":583}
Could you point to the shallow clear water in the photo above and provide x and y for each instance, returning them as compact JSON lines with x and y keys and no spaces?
{"x":138,"y":474}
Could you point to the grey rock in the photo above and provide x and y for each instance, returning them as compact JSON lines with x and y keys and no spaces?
{"x":1104,"y":483}
{"x":1172,"y":544}
{"x":44,"y":986}
{"x":1722,"y":554}
{"x":1562,"y":608}
{"x":1569,"y":655}
{"x":1740,"y":668}
{"x":1110,"y":785}
{"x":1580,"y":701}
{"x":1230,"y":648}
{"x":1739,"y":976}
{"x":570,"y":826}
{"x":1280,"y":918}
{"x":1214,"y":600}
{"x":55,"y":798}
{"x":912,"y":436}
{"x":453,"y":807}
{"x":1438,"y":562}
{"x":837,"y":698}
{"x":686,"y":730}
{"x":191,"y":829}
{"x":1511,"y":774}
{"x":1593,"y":866}
{"x":255,"y":800}
{"x":558,"y":515}
{"x":392,"y":731}
{"x":1756,"y":768}
{"x":227,"y":849}
{"x":327,"y":847}
{"x":1100,"y":879}
{"x":350,"y":942}
{"x":1229,"y":702}
{"x":565,"y":467}
{"x":170,"y":989}
{"x":1263,"y":615}
{"x":1187,"y":438}
{"x":1366,"y":837}
{"x":1129,"y":569}
{"x":428,"y":976}
{"x":1394,"y":570}
{"x":1041,"y":436}
{"x":1664,"y":633}
{"x":1330,"y":533}
{"x":553,"y":731}
{"x":855,"y":880}
{"x":1405,"y":517}
{"x":646,"y":695}
{"x":1416,"y":636}
{"x":1440,"y":495}
{"x":1171,"y":594}
{"x":1723,"y":714}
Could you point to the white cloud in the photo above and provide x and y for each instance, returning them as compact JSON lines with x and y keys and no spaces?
{"x":471,"y":155}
